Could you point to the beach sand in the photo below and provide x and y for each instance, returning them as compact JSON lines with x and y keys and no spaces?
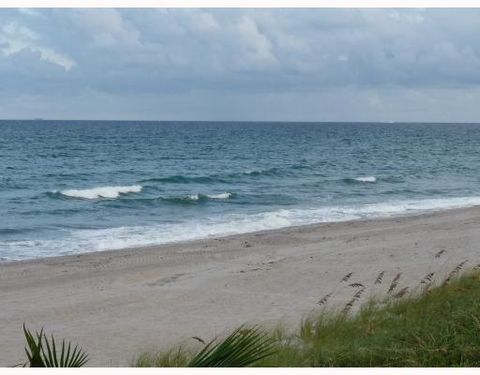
{"x":116,"y":304}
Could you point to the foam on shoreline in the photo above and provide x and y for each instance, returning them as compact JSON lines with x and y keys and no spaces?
{"x":88,"y":240}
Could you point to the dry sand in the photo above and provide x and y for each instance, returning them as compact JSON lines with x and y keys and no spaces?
{"x":117,"y":304}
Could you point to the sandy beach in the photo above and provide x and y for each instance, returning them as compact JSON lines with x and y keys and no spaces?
{"x":116,"y":304}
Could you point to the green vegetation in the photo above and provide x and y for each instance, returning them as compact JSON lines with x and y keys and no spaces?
{"x":432,"y":326}
{"x":42,"y":352}
{"x":243,"y":347}
{"x":435,"y":327}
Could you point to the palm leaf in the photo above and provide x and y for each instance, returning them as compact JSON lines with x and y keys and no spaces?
{"x":33,"y":348}
{"x":66,"y":358}
{"x":43,"y":352}
{"x":242,"y":348}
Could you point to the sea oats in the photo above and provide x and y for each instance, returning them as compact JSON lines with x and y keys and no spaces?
{"x":428,"y":278}
{"x":379,"y":278}
{"x":349,"y":305}
{"x":394,"y":282}
{"x":359,"y":293}
{"x":401,"y":293}
{"x":199,"y":339}
{"x":324,"y":299}
{"x":357,"y":285}
{"x":439,"y":254}
{"x":454,"y":272}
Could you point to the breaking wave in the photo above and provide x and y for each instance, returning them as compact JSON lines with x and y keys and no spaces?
{"x":366,"y":179}
{"x":201,"y":197}
{"x":361,"y":179}
{"x":110,"y":192}
{"x":82,"y":240}
{"x":179,"y":179}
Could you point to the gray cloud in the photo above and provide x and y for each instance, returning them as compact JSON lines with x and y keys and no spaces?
{"x":323,"y":64}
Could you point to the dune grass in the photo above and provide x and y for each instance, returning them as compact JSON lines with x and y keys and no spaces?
{"x":438,"y":327}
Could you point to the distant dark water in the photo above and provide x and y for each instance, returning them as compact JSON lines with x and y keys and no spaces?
{"x":68,"y":186}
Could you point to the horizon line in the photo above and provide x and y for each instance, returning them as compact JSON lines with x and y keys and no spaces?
{"x":250,"y":121}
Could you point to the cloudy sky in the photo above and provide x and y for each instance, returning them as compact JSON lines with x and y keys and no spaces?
{"x":240,"y":64}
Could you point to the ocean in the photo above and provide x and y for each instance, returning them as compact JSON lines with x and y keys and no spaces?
{"x":68,"y":187}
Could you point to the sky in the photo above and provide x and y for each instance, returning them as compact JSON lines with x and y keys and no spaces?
{"x":241,"y":64}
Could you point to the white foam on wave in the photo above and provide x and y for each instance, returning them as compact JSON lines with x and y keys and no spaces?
{"x":366,"y":179}
{"x":220,"y":196}
{"x":196,"y":197}
{"x":101,"y":192}
{"x":78,"y":241}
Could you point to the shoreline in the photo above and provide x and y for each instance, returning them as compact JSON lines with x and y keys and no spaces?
{"x":155,"y":296}
{"x":419,"y":213}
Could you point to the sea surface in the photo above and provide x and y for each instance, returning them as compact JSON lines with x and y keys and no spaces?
{"x":69,"y":187}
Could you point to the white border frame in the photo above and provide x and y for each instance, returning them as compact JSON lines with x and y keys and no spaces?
{"x":241,"y":4}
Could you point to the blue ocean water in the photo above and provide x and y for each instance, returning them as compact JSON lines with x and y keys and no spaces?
{"x":76,"y":186}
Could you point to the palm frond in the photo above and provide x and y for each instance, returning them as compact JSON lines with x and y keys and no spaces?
{"x":242,"y":348}
{"x":33,"y":348}
{"x":43,"y":353}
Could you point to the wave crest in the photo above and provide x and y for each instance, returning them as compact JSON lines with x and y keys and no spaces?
{"x":180,"y":179}
{"x":101,"y":192}
{"x":220,"y":196}
{"x":194,"y":198}
{"x":198,"y":197}
{"x":366,"y":179}
{"x":264,"y":172}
